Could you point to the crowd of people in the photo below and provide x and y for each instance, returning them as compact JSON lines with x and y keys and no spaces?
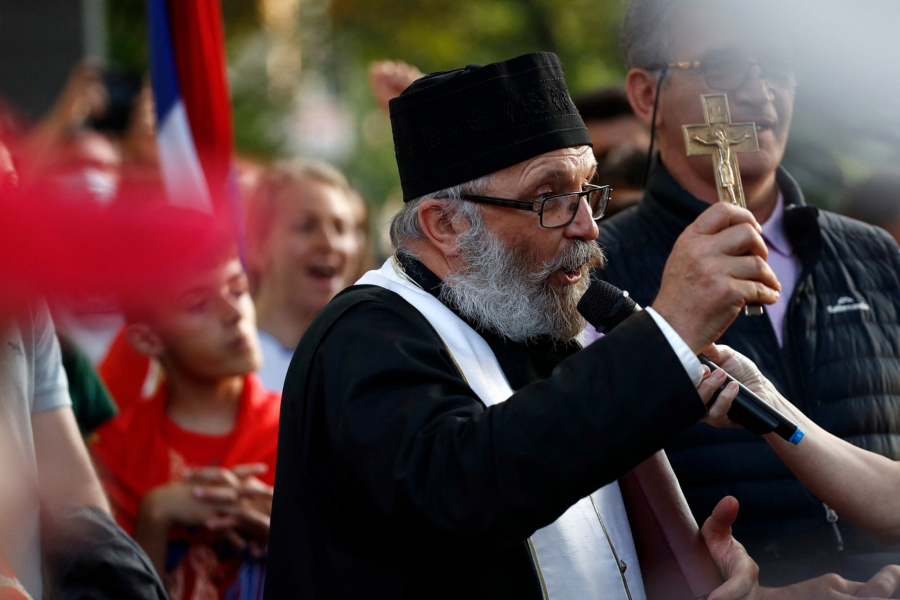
{"x":274,"y":414}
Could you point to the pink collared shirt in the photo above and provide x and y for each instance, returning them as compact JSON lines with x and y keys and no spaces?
{"x":784,"y":263}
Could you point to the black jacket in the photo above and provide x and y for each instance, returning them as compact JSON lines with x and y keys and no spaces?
{"x":394,"y":481}
{"x":840,"y":365}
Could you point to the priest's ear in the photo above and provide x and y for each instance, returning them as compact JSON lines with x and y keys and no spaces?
{"x":438,"y":225}
{"x":640,"y":86}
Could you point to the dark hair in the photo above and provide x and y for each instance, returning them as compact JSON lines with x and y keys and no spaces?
{"x":624,"y":168}
{"x":604,"y":104}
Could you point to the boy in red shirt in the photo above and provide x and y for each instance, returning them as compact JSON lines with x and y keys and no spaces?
{"x":189,"y":472}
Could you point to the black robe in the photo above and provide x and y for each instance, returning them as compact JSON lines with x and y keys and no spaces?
{"x":395,"y":481}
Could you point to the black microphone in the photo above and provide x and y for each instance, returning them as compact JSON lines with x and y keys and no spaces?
{"x":605,"y":306}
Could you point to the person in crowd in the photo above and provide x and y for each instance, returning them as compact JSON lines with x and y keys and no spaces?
{"x":829,"y":342}
{"x":62,"y":155}
{"x":189,"y":472}
{"x":443,"y":433}
{"x":620,"y":144}
{"x":303,"y":248}
{"x":874,"y":200}
{"x":624,"y":170}
{"x":365,"y":257}
{"x":49,"y":492}
{"x":612,"y":123}
{"x":36,"y":413}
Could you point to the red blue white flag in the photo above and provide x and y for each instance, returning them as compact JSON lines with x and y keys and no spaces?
{"x":193,"y":107}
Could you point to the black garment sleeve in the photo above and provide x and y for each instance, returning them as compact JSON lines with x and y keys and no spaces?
{"x":395,"y":436}
{"x":89,"y":557}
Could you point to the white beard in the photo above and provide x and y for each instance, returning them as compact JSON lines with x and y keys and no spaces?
{"x":499,"y":291}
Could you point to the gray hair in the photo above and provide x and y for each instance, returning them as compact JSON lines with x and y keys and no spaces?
{"x":405,"y":225}
{"x":649,"y":28}
{"x":647,"y":34}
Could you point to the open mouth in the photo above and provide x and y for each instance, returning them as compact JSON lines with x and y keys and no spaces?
{"x":570,"y":275}
{"x":323,"y":271}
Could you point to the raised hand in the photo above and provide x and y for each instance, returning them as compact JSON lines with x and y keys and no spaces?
{"x":741,"y":572}
{"x":389,"y":78}
{"x":717,"y":265}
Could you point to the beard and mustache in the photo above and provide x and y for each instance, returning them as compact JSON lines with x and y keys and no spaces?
{"x":500,"y":291}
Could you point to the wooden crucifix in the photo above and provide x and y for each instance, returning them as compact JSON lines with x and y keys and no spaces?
{"x":723,"y":140}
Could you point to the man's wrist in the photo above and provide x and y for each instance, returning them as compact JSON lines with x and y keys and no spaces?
{"x":682,"y":350}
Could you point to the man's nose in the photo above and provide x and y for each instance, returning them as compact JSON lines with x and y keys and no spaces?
{"x":583,"y":225}
{"x":755,"y":88}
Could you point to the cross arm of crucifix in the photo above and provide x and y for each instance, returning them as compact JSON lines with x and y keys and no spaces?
{"x":699,"y":139}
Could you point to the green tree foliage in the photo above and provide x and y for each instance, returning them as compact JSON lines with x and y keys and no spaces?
{"x":438,"y":35}
{"x":431,"y":34}
{"x":443,"y":34}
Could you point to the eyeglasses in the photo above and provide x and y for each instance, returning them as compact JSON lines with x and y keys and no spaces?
{"x":727,"y":75}
{"x":558,"y":210}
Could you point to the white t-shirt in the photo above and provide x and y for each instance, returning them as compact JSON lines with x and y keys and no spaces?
{"x":32,"y":380}
{"x":275,"y":361}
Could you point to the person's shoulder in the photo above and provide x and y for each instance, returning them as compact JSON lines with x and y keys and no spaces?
{"x":616,"y":228}
{"x":857,"y":233}
{"x":265,"y":403}
{"x":125,"y":439}
{"x":367,"y":296}
{"x":636,"y":250}
{"x":369,"y":310}
{"x":634,"y":227}
{"x":134,"y":418}
{"x":362,"y":325}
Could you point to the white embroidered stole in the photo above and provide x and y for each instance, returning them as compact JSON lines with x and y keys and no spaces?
{"x":574,"y":556}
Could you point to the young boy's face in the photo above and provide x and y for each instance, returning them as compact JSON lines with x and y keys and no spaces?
{"x":206,"y":326}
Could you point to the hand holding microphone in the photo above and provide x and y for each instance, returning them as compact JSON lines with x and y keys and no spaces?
{"x":605,"y":306}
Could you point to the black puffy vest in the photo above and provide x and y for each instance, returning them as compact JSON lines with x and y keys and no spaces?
{"x":840,"y":365}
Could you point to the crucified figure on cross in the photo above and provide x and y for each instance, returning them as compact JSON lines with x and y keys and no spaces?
{"x":723,"y":143}
{"x":722,"y":140}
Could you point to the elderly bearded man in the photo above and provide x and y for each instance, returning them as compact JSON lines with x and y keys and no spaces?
{"x":442,"y":436}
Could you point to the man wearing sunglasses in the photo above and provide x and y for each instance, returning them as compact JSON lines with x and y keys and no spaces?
{"x":830,"y":342}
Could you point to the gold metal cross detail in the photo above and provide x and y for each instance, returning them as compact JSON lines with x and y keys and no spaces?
{"x":723,"y":140}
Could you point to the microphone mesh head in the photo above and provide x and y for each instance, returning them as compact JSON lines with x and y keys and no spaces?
{"x":605,"y":306}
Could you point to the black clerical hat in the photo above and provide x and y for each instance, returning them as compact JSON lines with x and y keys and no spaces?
{"x":454,"y":126}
